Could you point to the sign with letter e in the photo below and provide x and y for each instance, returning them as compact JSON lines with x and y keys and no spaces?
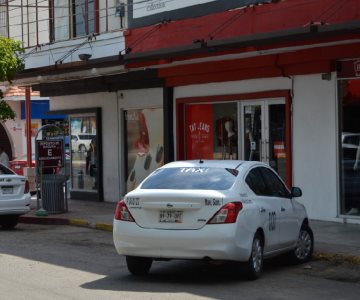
{"x":50,"y":153}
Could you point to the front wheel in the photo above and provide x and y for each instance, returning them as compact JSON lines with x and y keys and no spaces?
{"x":138,"y":265}
{"x":304,"y":246}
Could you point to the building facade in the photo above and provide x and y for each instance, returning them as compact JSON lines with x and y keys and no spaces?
{"x":275,"y":81}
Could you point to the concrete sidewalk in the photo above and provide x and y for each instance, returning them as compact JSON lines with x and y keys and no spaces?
{"x":333,"y":241}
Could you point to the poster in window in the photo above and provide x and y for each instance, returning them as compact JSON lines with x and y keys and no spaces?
{"x":199,"y":131}
{"x":144,"y":140}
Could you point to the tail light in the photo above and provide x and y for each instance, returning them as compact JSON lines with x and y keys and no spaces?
{"x":27,"y":187}
{"x":122,"y":212}
{"x":227,"y":214}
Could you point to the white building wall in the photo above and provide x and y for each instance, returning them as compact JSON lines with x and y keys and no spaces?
{"x":112,"y":105}
{"x":107,"y":44}
{"x":315,"y":145}
{"x":233,"y":87}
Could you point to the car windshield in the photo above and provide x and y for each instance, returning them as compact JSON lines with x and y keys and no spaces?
{"x":191,"y":178}
{"x":5,"y":171}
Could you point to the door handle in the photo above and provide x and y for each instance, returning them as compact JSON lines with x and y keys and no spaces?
{"x":262,"y":210}
{"x":283,"y":209}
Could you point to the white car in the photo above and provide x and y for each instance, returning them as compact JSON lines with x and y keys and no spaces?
{"x":237,"y":211}
{"x":14,"y":197}
{"x":81,"y":142}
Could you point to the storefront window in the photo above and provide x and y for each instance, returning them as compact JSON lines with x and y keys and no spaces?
{"x":144,"y":144}
{"x":211,"y":131}
{"x":349,"y":97}
{"x":84,"y":154}
{"x":249,"y":129}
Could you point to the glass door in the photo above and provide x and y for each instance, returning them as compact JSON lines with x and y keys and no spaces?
{"x":263,"y":133}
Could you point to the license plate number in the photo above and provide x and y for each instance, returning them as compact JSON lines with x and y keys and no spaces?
{"x":7,"y":190}
{"x":170,"y":216}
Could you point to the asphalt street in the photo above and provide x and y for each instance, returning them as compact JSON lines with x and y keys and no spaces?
{"x":66,"y":262}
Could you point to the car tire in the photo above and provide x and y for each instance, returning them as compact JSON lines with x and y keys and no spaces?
{"x":254,"y":266}
{"x":304,"y":246}
{"x":138,"y":265}
{"x":82,"y":148}
{"x":9,"y":222}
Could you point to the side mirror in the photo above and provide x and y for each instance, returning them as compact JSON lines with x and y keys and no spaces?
{"x":296,"y":192}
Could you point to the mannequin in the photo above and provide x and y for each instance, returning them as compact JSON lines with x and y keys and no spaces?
{"x":230,"y":141}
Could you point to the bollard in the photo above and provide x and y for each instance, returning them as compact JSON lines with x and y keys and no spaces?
{"x":80,"y":179}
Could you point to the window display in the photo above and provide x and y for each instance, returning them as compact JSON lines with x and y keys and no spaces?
{"x":349,"y":97}
{"x":211,"y":131}
{"x":248,"y":129}
{"x":84,"y":156}
{"x":144,"y":144}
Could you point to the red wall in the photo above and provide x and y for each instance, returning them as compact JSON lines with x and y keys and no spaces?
{"x":262,"y":18}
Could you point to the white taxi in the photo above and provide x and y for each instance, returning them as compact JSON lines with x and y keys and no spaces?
{"x":14,"y":197}
{"x":237,"y":211}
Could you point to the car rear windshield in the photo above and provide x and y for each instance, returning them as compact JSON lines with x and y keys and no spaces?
{"x":192,"y":178}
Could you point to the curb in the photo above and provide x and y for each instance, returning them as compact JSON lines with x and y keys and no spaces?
{"x":78,"y":222}
{"x":44,"y":220}
{"x":104,"y":227}
{"x":336,"y":257}
{"x":63,"y":221}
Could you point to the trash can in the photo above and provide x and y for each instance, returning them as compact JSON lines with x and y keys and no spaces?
{"x":53,"y":196}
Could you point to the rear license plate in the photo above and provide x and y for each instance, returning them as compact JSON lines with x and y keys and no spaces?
{"x":7,"y":190}
{"x":170,"y":216}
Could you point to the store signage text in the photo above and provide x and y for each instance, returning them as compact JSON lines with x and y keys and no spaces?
{"x":199,"y":127}
{"x":146,"y":8}
{"x":50,"y":153}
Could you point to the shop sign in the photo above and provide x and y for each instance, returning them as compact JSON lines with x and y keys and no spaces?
{"x":50,"y":153}
{"x":141,"y":9}
{"x":349,"y":69}
{"x":147,"y":8}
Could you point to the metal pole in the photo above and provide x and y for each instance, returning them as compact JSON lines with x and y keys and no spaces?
{"x":28,"y":125}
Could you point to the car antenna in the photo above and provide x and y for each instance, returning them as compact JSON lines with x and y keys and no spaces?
{"x":201,"y":161}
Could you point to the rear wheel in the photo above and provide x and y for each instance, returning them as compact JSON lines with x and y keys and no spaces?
{"x":9,"y":222}
{"x":138,"y":265}
{"x":304,"y":246}
{"x":254,"y":266}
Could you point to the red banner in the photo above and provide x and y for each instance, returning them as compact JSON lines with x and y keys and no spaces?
{"x":199,"y":131}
